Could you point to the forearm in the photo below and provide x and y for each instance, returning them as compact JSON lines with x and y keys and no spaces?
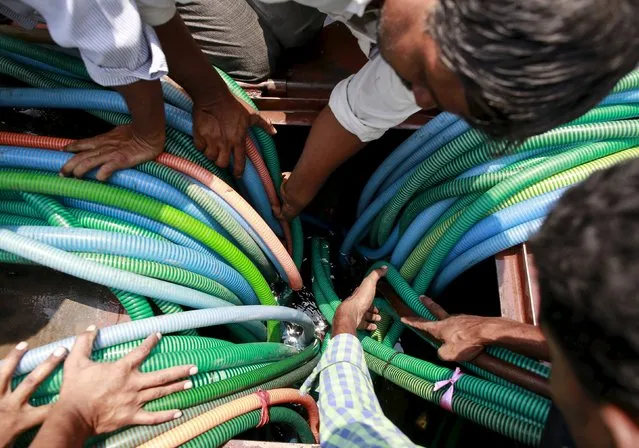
{"x":62,"y":429}
{"x":518,"y":337}
{"x":146,"y":106}
{"x":327,"y":147}
{"x":188,"y":66}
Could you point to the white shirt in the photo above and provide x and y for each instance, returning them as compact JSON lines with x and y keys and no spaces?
{"x":374,"y":99}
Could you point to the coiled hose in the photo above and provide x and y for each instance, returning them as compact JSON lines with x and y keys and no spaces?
{"x":208,"y":420}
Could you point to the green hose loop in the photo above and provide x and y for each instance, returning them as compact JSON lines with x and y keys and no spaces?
{"x":505,"y":190}
{"x":187,"y":398}
{"x":513,"y":428}
{"x":424,"y":174}
{"x":165,"y":272}
{"x":394,"y":333}
{"x":136,"y":306}
{"x":228,"y":430}
{"x":137,"y":203}
{"x":98,"y":221}
{"x":628,"y":82}
{"x":196,"y":193}
{"x":49,"y":209}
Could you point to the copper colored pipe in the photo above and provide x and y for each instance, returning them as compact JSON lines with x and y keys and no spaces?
{"x":512,"y":373}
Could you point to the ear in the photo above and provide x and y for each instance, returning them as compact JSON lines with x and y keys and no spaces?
{"x":623,"y":429}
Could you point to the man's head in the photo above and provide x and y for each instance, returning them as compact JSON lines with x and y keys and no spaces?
{"x":512,"y":68}
{"x":587,"y":255}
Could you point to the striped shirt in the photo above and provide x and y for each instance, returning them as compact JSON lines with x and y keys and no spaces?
{"x":115,"y":38}
{"x":350,"y":414}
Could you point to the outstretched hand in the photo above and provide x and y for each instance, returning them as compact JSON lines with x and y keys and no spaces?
{"x":462,"y":336}
{"x":16,"y":414}
{"x":357,"y":312}
{"x":117,"y":149}
{"x":220,"y":129}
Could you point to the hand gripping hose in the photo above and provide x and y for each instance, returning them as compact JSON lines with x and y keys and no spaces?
{"x":130,"y":331}
{"x":208,"y":420}
{"x":152,"y":209}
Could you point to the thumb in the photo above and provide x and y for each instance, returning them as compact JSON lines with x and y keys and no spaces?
{"x":259,"y":120}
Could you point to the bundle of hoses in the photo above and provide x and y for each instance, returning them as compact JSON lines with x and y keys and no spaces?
{"x":173,"y":231}
{"x":448,"y":197}
{"x":497,"y":405}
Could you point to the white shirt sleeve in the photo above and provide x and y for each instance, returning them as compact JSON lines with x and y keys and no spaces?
{"x":372,"y":101}
{"x":117,"y":45}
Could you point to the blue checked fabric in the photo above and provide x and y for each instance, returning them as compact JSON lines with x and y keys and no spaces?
{"x":350,"y":414}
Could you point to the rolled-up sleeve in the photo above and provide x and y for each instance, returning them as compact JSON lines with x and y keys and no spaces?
{"x":117,"y":46}
{"x":372,"y":101}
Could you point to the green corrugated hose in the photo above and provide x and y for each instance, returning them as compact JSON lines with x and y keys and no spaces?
{"x":394,"y":333}
{"x":226,"y":431}
{"x":172,"y":308}
{"x":137,"y":435}
{"x":187,"y":398}
{"x":424,"y":174}
{"x":98,"y":221}
{"x":519,"y":409}
{"x":162,"y":271}
{"x":505,"y":190}
{"x":416,"y":259}
{"x":513,"y":428}
{"x":58,"y":216}
{"x":137,"y":203}
{"x":195,"y":192}
{"x":269,"y":152}
{"x":13,"y":220}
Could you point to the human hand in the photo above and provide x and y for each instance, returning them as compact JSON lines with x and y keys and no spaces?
{"x":463,"y":337}
{"x":292,"y":205}
{"x":114,"y":150}
{"x":16,"y":414}
{"x":107,"y":396}
{"x":357,"y":312}
{"x":220,"y":128}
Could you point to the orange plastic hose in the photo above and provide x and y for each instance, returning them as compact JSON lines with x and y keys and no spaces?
{"x":215,"y":417}
{"x":242,"y":207}
{"x":34,"y":141}
{"x":254,"y":156}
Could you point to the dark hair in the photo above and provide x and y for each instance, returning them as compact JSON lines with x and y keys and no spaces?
{"x":587,"y":255}
{"x":529,"y":66}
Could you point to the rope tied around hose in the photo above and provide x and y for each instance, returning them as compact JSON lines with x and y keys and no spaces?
{"x":388,"y":363}
{"x":265,"y":402}
{"x":446,"y":401}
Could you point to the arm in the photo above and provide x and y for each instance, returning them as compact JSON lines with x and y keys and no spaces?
{"x":361,"y":109}
{"x":349,"y":410}
{"x":464,"y":337}
{"x":220,"y":121}
{"x":97,"y":398}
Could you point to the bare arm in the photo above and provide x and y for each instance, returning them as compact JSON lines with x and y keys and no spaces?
{"x":220,"y":121}
{"x":327,"y":147}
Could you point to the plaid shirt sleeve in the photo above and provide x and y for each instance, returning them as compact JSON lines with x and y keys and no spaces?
{"x":350,"y":414}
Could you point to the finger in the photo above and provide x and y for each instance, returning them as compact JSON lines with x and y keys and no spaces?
{"x":370,"y":317}
{"x":28,"y":386}
{"x":439,"y":312}
{"x":83,"y":345}
{"x":118,"y":161}
{"x":432,"y":328}
{"x":199,"y":141}
{"x":264,"y":123}
{"x":367,"y":326}
{"x":369,"y":284}
{"x":86,"y":144}
{"x":166,"y":376}
{"x":73,"y":162}
{"x":37,"y":415}
{"x":136,"y":357}
{"x":224,"y":156}
{"x":154,"y":418}
{"x":91,"y":162}
{"x":9,"y":365}
{"x":154,"y":393}
{"x":239,"y":158}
